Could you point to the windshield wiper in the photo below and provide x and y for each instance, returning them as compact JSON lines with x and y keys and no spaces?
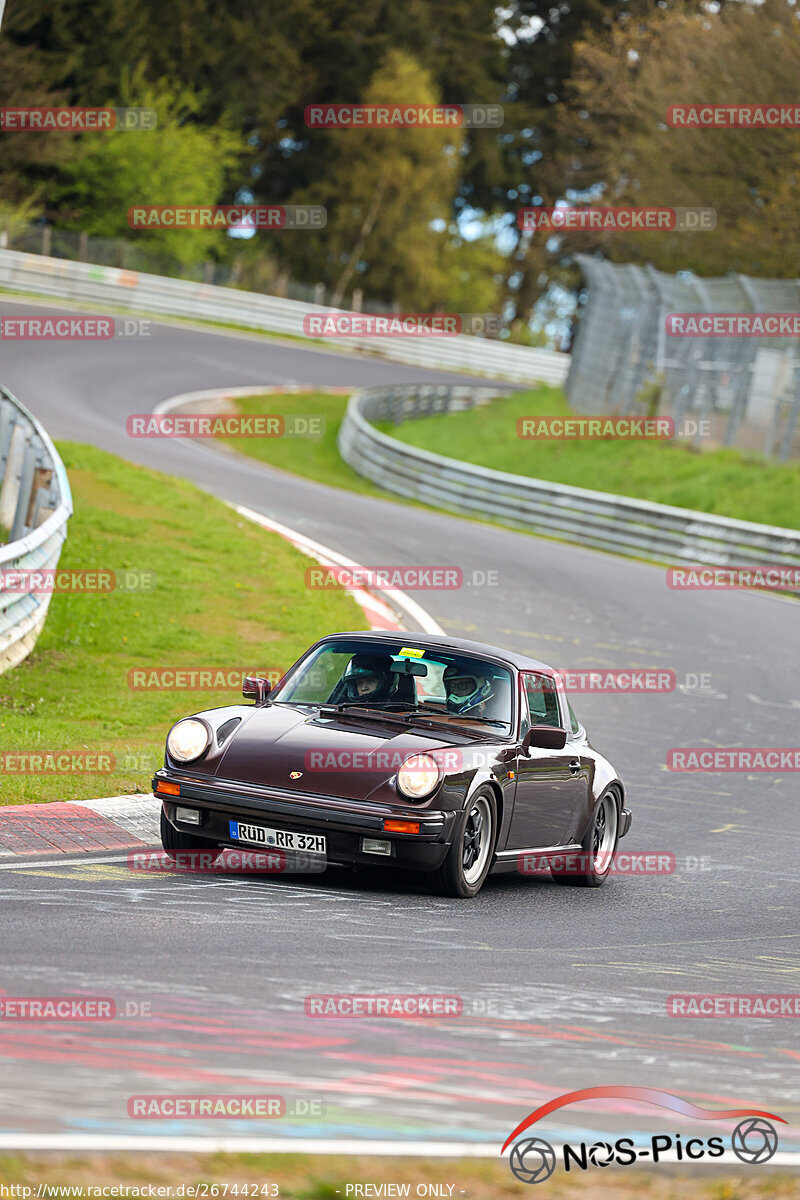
{"x":453,"y":717}
{"x":361,"y":711}
{"x":483,"y":720}
{"x":419,"y":716}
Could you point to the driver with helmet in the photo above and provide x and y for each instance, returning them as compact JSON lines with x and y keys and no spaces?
{"x":368,"y":678}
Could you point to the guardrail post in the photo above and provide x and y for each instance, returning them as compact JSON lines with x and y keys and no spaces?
{"x":24,"y":494}
{"x":741,"y":376}
{"x":12,"y":475}
{"x":791,"y":418}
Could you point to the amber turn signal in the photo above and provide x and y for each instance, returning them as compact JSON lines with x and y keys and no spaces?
{"x":168,"y":789}
{"x":401,"y":826}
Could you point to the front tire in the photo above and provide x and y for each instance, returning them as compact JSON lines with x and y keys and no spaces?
{"x":174,"y":840}
{"x":597,"y":848}
{"x":470,"y":856}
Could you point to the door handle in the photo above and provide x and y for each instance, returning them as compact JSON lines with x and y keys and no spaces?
{"x":575,"y":766}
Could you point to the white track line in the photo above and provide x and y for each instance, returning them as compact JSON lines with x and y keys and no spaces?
{"x":70,"y":862}
{"x":328,"y":557}
{"x":247,"y":1145}
{"x":384,"y":1148}
{"x":323,"y":554}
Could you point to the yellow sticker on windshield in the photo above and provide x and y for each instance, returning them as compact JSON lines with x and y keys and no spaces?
{"x":410,"y":652}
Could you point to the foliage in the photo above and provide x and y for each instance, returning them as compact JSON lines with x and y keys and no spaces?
{"x":179,"y":162}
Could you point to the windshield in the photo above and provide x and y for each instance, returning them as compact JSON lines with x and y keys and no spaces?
{"x":432,"y":683}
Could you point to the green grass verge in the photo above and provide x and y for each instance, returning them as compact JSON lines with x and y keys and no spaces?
{"x":313,"y":458}
{"x":727,"y":482}
{"x":227,"y":595}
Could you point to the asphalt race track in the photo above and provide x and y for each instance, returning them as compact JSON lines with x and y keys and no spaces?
{"x":562,"y":988}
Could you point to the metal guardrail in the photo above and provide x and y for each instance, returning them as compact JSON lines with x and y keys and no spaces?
{"x":634,"y":528}
{"x":35,"y":505}
{"x":139,"y":292}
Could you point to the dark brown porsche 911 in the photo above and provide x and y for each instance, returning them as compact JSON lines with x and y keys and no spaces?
{"x":431,"y":753}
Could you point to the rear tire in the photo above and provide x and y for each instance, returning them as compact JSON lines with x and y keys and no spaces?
{"x":174,"y":840}
{"x":470,"y":856}
{"x":597,"y":847}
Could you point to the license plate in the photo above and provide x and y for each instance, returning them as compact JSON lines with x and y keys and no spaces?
{"x":278,"y":839}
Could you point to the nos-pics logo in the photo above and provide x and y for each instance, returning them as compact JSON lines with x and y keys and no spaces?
{"x":754,"y":1140}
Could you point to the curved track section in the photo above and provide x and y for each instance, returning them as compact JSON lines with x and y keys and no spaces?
{"x":562,"y":988}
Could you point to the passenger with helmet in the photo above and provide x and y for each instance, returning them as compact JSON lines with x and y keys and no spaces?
{"x":466,"y":693}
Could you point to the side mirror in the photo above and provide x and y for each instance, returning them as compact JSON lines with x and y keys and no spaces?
{"x":256,"y":688}
{"x":545,"y":737}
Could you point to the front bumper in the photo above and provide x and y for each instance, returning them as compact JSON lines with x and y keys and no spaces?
{"x":343,"y":822}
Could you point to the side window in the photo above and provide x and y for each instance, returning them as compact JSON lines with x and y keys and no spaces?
{"x":575,"y":724}
{"x":542,"y":700}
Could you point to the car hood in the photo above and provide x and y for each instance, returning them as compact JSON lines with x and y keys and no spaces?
{"x":340,"y":756}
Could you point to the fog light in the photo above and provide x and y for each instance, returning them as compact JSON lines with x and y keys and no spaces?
{"x":189,"y":816}
{"x":375,"y":846}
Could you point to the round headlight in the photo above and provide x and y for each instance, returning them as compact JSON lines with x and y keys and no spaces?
{"x":418,"y":776}
{"x":187,"y":740}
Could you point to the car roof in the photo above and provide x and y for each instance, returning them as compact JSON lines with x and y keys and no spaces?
{"x":432,"y":641}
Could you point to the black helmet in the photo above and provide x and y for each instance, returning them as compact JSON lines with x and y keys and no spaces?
{"x":365,"y":667}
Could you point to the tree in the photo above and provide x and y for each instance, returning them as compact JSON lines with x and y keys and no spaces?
{"x":178,"y":163}
{"x":622,"y":87}
{"x":387,"y":190}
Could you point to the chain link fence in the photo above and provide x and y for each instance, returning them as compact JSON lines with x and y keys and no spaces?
{"x":724,"y":391}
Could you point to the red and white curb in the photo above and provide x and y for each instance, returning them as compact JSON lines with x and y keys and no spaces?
{"x":79,"y":826}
